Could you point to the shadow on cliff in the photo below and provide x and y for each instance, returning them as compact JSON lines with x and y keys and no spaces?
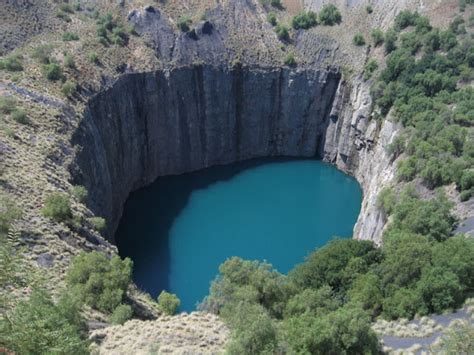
{"x":144,"y":230}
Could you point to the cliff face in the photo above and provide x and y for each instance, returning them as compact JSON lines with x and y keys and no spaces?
{"x":170,"y":122}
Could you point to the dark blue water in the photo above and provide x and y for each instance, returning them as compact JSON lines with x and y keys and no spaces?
{"x":181,"y":228}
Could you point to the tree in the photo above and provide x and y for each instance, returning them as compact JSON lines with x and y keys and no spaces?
{"x":121,"y":314}
{"x":317,"y":302}
{"x":168,"y":303}
{"x":304,"y":20}
{"x":57,"y":207}
{"x":99,"y":282}
{"x":403,"y":303}
{"x":390,"y":40}
{"x":330,"y":15}
{"x":358,"y":39}
{"x":377,"y":37}
{"x":282,"y":32}
{"x":52,"y":71}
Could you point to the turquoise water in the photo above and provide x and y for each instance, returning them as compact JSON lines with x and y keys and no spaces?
{"x":181,"y":228}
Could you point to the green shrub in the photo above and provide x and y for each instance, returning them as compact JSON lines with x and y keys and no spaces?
{"x":290,"y":60}
{"x":377,"y":37}
{"x":98,"y":281}
{"x":390,"y":40}
{"x":458,"y":339}
{"x":253,"y":331}
{"x":53,"y":71}
{"x":386,"y":199}
{"x":274,"y":3}
{"x":63,"y":16}
{"x":69,"y":88}
{"x":272,"y":19}
{"x":121,"y":314}
{"x":369,"y":9}
{"x":20,"y":116}
{"x":39,"y":326}
{"x":57,"y":207}
{"x":358,"y":39}
{"x":8,"y":212}
{"x":330,"y":15}
{"x":98,"y":223}
{"x":70,"y":36}
{"x":7,"y":104}
{"x":184,"y":22}
{"x":79,"y":192}
{"x":42,"y":53}
{"x":66,"y":8}
{"x":168,"y":303}
{"x":69,"y":61}
{"x":282,"y":32}
{"x":11,"y":62}
{"x":369,"y":68}
{"x":404,"y":19}
{"x":304,"y":20}
{"x":93,"y":57}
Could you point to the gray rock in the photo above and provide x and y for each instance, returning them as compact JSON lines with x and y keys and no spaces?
{"x":45,"y":260}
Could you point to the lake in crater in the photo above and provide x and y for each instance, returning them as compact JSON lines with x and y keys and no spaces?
{"x":181,"y":228}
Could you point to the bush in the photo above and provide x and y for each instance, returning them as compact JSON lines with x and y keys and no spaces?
{"x":39,"y":326}
{"x":53,"y":71}
{"x":386,"y":200}
{"x":168,"y":303}
{"x":79,"y":192}
{"x":330,"y":15}
{"x":65,"y":7}
{"x":358,"y":40}
{"x":69,"y":61}
{"x":11,"y":63}
{"x":290,"y":60}
{"x":93,"y":57}
{"x":404,"y":19}
{"x":42,"y":53}
{"x":253,"y":331}
{"x":304,"y":20}
{"x":19,"y":116}
{"x":369,"y":9}
{"x":69,"y":36}
{"x":377,"y":37}
{"x":390,"y":41}
{"x":282,"y":32}
{"x":63,"y":16}
{"x":8,"y":212}
{"x":184,"y":22}
{"x":98,"y":281}
{"x":458,"y":339}
{"x":272,"y":19}
{"x":121,"y":314}
{"x":69,"y":88}
{"x":57,"y":207}
{"x":369,"y":68}
{"x":98,"y":223}
{"x":7,"y":104}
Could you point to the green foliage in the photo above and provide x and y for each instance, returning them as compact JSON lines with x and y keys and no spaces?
{"x":70,"y":36}
{"x":390,"y":40}
{"x":369,"y":9}
{"x":377,"y":36}
{"x":65,"y":7}
{"x":404,"y":19}
{"x":387,"y":200}
{"x":42,"y":53}
{"x":7,"y":104}
{"x":168,"y":303}
{"x":69,"y":61}
{"x":69,"y":88}
{"x":93,"y":57}
{"x":63,"y":16}
{"x":184,"y":22}
{"x":9,"y":211}
{"x":358,"y":39}
{"x":274,"y":3}
{"x":330,"y":15}
{"x":282,"y":32}
{"x":57,"y":207}
{"x":121,"y":314}
{"x":79,"y":192}
{"x":290,"y":60}
{"x":253,"y":331}
{"x":98,"y":223}
{"x":19,"y":116}
{"x":272,"y":19}
{"x":314,"y":301}
{"x":346,"y":330}
{"x":304,"y":20}
{"x":53,"y":71}
{"x":11,"y":62}
{"x":39,"y":326}
{"x":369,"y":68}
{"x":110,"y":30}
{"x":98,"y":281}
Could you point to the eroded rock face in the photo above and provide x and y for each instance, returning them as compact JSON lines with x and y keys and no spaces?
{"x":171,"y":122}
